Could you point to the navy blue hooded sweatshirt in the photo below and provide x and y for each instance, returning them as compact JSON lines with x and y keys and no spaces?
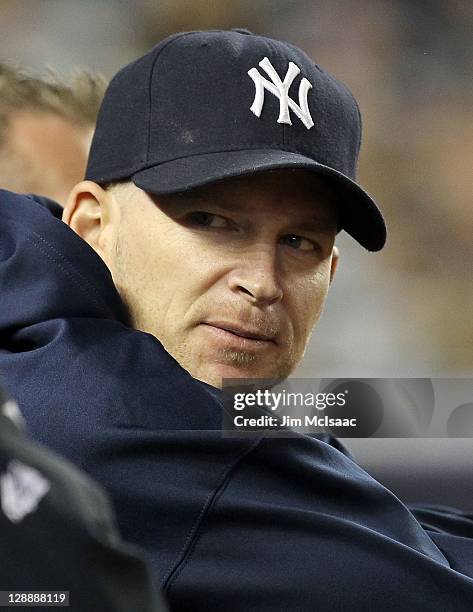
{"x":229,"y":524}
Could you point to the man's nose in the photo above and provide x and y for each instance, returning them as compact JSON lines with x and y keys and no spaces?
{"x":255,"y":278}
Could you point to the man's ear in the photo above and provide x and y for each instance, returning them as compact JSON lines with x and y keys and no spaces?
{"x":334,"y":263}
{"x":86,"y":212}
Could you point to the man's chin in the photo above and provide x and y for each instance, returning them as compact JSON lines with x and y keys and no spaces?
{"x":216,"y":375}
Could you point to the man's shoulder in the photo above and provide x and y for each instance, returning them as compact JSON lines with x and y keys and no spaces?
{"x":11,"y":199}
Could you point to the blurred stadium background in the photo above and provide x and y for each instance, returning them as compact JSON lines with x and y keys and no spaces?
{"x":406,"y":311}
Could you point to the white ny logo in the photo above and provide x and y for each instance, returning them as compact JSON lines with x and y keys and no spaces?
{"x":281,"y":90}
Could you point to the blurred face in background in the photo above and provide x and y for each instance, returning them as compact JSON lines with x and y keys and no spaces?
{"x":43,"y":153}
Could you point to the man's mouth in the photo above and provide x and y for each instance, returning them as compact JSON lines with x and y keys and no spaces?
{"x":248,"y":334}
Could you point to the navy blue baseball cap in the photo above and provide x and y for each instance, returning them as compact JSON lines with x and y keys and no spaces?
{"x":202,"y":107}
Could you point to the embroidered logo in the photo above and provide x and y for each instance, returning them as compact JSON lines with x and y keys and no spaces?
{"x":281,"y":90}
{"x":22,"y":487}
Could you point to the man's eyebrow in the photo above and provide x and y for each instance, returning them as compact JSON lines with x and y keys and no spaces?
{"x":317,"y":224}
{"x":193,"y":194}
{"x":324,"y":222}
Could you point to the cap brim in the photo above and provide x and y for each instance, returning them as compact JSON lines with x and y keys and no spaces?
{"x":360,"y":216}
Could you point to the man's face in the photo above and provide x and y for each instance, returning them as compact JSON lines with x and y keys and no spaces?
{"x":230,"y":278}
{"x":43,"y":154}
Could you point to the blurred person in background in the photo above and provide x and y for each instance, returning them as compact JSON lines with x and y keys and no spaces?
{"x":46,"y":127}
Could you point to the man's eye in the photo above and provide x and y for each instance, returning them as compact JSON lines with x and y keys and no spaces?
{"x":205,"y":219}
{"x":298,"y":242}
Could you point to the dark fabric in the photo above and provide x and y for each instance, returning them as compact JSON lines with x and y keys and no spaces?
{"x":53,"y":207}
{"x":230,"y":524}
{"x":444,"y":519}
{"x":69,"y":541}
